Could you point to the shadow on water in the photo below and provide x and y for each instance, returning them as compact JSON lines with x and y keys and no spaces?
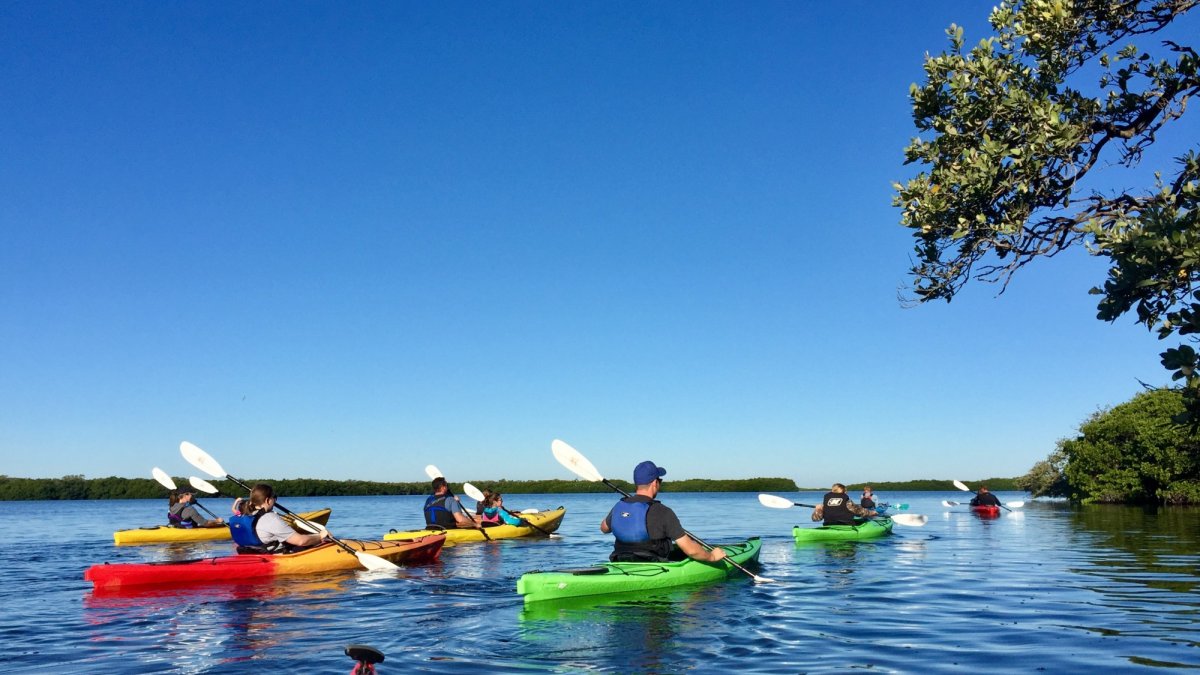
{"x":1160,"y":544}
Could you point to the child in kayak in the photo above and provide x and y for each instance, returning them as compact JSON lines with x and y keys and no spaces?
{"x":263,"y":529}
{"x":494,"y":512}
{"x":868,"y":498}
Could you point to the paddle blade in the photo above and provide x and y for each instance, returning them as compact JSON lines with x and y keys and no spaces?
{"x":910,"y":519}
{"x":162,"y":478}
{"x":959,"y":484}
{"x":530,"y":511}
{"x":577,"y":463}
{"x":949,"y":504}
{"x":203,"y":485}
{"x":472,"y":492}
{"x":434,"y":472}
{"x":773,"y":502}
{"x":201,"y":460}
{"x":1015,"y":505}
{"x":374,"y":562}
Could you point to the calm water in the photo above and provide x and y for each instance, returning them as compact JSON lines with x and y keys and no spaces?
{"x":1047,"y":588}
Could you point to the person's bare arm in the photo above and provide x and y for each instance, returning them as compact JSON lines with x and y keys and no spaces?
{"x":695,"y":551}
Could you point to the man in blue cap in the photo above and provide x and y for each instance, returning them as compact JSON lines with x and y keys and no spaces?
{"x":645,"y":529}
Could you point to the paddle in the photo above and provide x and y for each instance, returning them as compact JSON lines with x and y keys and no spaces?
{"x":580,"y":466}
{"x":205,"y":486}
{"x":474,"y":493}
{"x":1015,"y":505}
{"x":898,"y":507}
{"x":167,"y":482}
{"x":433,"y":472}
{"x":774,"y":502}
{"x":203,"y":461}
{"x":959,"y":484}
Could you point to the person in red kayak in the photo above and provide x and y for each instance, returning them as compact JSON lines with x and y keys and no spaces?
{"x":264,"y":530}
{"x":645,"y":528}
{"x":984,"y":498}
{"x":837,"y":508}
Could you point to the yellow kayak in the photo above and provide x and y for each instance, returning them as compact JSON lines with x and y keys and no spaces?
{"x":161,"y":534}
{"x":547,"y":521}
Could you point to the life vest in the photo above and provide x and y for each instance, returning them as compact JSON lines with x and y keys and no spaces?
{"x":835,"y":510}
{"x":628,"y":523}
{"x":436,"y":512}
{"x":988,"y":499}
{"x":175,"y":519}
{"x":491,"y":516}
{"x":243,"y":532}
{"x":867,"y":503}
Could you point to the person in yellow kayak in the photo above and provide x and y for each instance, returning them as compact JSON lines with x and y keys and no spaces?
{"x":494,"y":512}
{"x":443,"y":510}
{"x":261,"y":529}
{"x":837,"y":508}
{"x":181,"y":512}
{"x":645,"y":528}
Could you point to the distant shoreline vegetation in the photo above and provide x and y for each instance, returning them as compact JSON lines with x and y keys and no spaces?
{"x":78,"y":487}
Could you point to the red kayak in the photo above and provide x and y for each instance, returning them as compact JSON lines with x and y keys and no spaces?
{"x":321,"y":558}
{"x":986,"y":511}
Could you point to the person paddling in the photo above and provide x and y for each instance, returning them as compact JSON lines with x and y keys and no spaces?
{"x":984,"y":498}
{"x":181,"y":512}
{"x":837,"y":508}
{"x":443,"y":510}
{"x":261,"y":529}
{"x":494,"y":512}
{"x":645,"y":528}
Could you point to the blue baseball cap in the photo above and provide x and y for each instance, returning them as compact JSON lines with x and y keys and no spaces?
{"x":646,"y":472}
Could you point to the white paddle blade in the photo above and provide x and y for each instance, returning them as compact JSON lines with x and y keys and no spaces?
{"x":374,"y":562}
{"x":961,"y":486}
{"x":162,"y":478}
{"x":530,"y":511}
{"x":434,"y":472}
{"x":472,"y":492}
{"x":1014,"y":505}
{"x":949,"y":504}
{"x":910,"y":519}
{"x":577,"y":463}
{"x":201,"y":460}
{"x":773,"y":502}
{"x":311,"y":528}
{"x":203,"y":485}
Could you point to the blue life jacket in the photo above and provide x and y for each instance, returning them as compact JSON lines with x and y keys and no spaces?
{"x":436,"y":512}
{"x":243,"y":532}
{"x":628,"y":522}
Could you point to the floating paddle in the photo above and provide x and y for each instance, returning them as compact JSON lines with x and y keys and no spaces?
{"x":434,"y":472}
{"x":580,"y":466}
{"x":203,"y":461}
{"x":961,"y":486}
{"x":312,"y":528}
{"x":474,"y":493}
{"x":167,"y":482}
{"x":774,"y":502}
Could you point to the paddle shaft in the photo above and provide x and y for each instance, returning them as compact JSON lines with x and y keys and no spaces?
{"x":698,"y":540}
{"x":293,"y":514}
{"x":481,"y":528}
{"x":518,"y":516}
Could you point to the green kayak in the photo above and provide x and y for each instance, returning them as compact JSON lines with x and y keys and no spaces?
{"x":613,"y":577}
{"x":867,"y":529}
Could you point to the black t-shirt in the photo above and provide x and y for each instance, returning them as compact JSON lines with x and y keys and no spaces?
{"x":987,"y":499}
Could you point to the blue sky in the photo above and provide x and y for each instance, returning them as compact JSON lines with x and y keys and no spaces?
{"x":350,"y":240}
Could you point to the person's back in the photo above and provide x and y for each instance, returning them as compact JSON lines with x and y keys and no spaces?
{"x":985,"y":498}
{"x":837,"y":508}
{"x":443,"y":510}
{"x":181,"y":512}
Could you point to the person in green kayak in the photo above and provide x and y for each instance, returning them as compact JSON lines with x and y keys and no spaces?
{"x":868,"y":498}
{"x":181,"y":512}
{"x":837,"y":508}
{"x":984,"y":498}
{"x":262,"y":529}
{"x":443,"y":510}
{"x":645,"y":528}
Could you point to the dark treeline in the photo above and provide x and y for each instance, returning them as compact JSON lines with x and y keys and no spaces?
{"x":1002,"y":484}
{"x":78,"y":487}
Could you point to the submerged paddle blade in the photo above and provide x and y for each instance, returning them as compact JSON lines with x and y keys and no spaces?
{"x":949,"y":504}
{"x":201,"y":460}
{"x":961,"y":486}
{"x":374,"y":562}
{"x":1015,"y":505}
{"x":162,"y":478}
{"x":910,"y":519}
{"x":433,"y":472}
{"x":577,"y":463}
{"x":472,"y":492}
{"x":203,"y":485}
{"x":773,"y":502}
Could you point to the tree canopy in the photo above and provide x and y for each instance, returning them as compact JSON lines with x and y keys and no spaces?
{"x":1132,"y":453}
{"x":1012,"y":128}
